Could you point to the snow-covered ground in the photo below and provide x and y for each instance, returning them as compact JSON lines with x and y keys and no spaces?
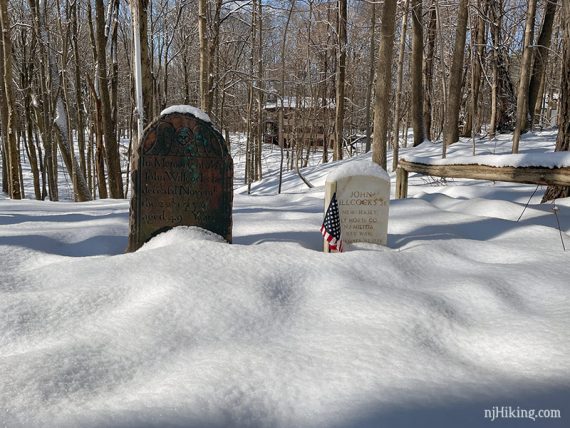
{"x":466,"y":310}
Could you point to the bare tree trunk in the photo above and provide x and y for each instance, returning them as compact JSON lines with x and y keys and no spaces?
{"x":43,"y":108}
{"x":370,"y":85}
{"x":99,"y":149}
{"x":203,"y":36}
{"x":384,"y":82}
{"x":340,"y":79}
{"x":325,"y":96}
{"x":97,"y":119}
{"x":451,"y":131}
{"x":281,"y":97}
{"x":443,"y":74}
{"x":538,"y":117}
{"x":8,"y":103}
{"x":6,"y":182}
{"x":112,"y":155}
{"x":78,"y":92}
{"x":428,"y":69}
{"x":21,"y":174}
{"x":3,"y":149}
{"x":504,"y":99}
{"x":90,"y":164}
{"x":526,"y":62}
{"x":213,"y":48}
{"x":251,"y":129}
{"x":146,"y":70}
{"x":27,"y":76}
{"x":541,"y":59}
{"x":476,"y":70}
{"x":4,"y":152}
{"x":416,"y":72}
{"x":27,"y":73}
{"x":63,"y":137}
{"x":563,"y":140}
{"x":114,"y":78}
{"x":260,"y":92}
{"x":397,"y":103}
{"x":495,"y":29}
{"x":62,"y":118}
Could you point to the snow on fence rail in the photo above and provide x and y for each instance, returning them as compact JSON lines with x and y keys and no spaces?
{"x":543,"y":168}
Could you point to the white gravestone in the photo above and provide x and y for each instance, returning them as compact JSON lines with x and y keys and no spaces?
{"x":363,"y":194}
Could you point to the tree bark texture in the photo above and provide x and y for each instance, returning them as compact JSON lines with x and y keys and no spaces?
{"x":540,"y":59}
{"x":383,"y":83}
{"x":27,"y":72}
{"x":204,"y":60}
{"x":503,"y":94}
{"x":428,"y":69}
{"x":471,"y":121}
{"x":416,"y":72}
{"x":80,"y":118}
{"x":3,"y":123}
{"x":213,"y":48}
{"x":524,"y":78}
{"x":112,"y":155}
{"x":340,"y":79}
{"x":369,"y":88}
{"x":451,"y":131}
{"x":13,"y":158}
{"x":43,"y":106}
{"x":146,"y":71}
{"x":398,"y":100}
{"x":281,"y":96}
{"x":563,"y":139}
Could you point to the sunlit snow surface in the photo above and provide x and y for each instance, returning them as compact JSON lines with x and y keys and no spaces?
{"x":465,"y":309}
{"x":545,"y":160}
{"x":194,"y":111}
{"x":358,"y":167}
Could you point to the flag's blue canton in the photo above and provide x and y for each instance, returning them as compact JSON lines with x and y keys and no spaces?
{"x":331,"y":226}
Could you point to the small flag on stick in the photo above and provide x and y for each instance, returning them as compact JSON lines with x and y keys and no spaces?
{"x":331,"y":226}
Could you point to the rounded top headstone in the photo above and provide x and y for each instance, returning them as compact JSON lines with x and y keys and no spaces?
{"x":182,"y":175}
{"x":362,"y":192}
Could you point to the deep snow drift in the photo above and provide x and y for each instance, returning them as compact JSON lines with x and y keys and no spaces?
{"x":465,"y":309}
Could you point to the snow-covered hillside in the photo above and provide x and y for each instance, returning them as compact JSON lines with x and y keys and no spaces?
{"x":466,"y":310}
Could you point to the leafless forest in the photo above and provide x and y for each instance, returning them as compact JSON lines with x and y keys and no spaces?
{"x":307,"y":75}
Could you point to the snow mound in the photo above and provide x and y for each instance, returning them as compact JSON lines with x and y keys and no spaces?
{"x":358,"y":167}
{"x":194,"y":111}
{"x":459,"y":315}
{"x":179,"y":235}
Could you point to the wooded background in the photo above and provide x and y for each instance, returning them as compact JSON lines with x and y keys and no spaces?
{"x":445,"y":68}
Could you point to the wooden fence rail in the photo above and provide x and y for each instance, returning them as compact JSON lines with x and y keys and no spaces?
{"x":528,"y":174}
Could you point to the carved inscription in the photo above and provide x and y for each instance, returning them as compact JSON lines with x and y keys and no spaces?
{"x":363,"y":205}
{"x":182,"y":175}
{"x":175,"y":190}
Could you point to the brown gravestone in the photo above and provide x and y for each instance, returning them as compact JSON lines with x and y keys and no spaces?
{"x":182,"y":175}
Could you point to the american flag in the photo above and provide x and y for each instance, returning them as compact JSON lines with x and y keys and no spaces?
{"x":331,"y":226}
